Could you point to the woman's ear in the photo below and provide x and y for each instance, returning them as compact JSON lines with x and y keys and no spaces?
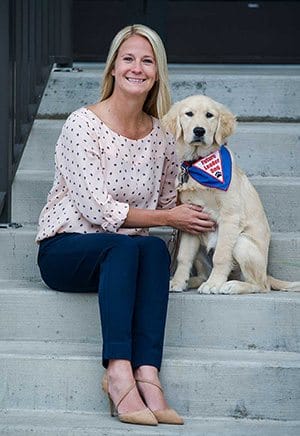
{"x":171,"y":121}
{"x":226,"y":125}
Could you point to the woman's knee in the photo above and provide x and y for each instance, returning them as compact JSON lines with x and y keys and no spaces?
{"x":155,"y":246}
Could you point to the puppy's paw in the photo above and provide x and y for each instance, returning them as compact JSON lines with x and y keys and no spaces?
{"x":229,"y":288}
{"x":209,"y":288}
{"x":176,"y":286}
{"x":237,"y":287}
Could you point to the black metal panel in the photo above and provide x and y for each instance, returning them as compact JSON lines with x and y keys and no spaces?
{"x":195,"y":31}
{"x":33,"y":35}
{"x":5,"y":109}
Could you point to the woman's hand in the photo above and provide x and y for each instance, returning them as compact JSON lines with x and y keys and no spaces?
{"x":191,"y":219}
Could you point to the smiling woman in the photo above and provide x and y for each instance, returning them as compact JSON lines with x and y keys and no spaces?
{"x":115,"y":177}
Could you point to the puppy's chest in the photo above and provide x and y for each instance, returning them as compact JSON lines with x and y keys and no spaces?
{"x":195,"y":193}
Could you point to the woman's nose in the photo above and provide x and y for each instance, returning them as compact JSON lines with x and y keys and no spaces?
{"x":136,"y":67}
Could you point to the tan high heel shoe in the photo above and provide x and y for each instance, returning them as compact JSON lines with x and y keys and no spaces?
{"x":142,"y":417}
{"x":164,"y":416}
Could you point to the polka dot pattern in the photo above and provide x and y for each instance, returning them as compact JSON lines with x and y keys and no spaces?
{"x":99,"y":174}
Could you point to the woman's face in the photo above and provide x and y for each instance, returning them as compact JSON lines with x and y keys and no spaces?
{"x":135,"y":69}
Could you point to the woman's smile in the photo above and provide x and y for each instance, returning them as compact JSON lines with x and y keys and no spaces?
{"x":135,"y":80}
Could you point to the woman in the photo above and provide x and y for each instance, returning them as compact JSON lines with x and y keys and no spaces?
{"x":115,"y":173}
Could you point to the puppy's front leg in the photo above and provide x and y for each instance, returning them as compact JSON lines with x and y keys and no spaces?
{"x":228,"y":232}
{"x":188,"y":248}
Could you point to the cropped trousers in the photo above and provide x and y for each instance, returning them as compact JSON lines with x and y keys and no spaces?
{"x":131,"y":275}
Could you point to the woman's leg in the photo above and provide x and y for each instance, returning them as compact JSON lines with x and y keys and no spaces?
{"x":149,"y":324}
{"x":151,"y":301}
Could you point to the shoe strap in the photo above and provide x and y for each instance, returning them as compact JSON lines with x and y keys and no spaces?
{"x":150,"y":383}
{"x":125,"y":393}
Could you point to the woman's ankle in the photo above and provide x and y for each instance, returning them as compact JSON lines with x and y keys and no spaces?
{"x":146,"y":372}
{"x":119,"y":369}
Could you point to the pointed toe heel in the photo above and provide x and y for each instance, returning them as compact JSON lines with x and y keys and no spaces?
{"x":168,"y":416}
{"x":140,"y":417}
{"x":164,"y":416}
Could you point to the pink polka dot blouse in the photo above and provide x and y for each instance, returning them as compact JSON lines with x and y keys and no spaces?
{"x":99,"y":174}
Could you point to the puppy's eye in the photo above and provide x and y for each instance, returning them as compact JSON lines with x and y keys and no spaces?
{"x":209,"y":115}
{"x":189,"y":114}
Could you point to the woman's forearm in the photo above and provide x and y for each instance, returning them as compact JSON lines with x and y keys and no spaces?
{"x":146,"y":218}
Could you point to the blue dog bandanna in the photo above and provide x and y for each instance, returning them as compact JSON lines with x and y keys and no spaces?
{"x":213,"y":171}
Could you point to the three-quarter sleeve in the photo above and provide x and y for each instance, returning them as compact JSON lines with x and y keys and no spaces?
{"x":78,"y":159}
{"x":167,"y":196}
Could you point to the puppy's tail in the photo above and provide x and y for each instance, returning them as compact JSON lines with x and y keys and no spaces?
{"x":280,"y":285}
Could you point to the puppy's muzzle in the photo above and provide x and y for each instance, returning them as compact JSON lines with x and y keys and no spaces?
{"x":199,"y":133}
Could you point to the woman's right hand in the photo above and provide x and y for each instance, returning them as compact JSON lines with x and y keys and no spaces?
{"x":191,"y":219}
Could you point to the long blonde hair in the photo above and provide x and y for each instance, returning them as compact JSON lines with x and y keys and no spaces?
{"x":158,"y":101}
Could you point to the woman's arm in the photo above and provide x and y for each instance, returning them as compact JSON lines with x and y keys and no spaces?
{"x":186,"y":217}
{"x":78,"y":159}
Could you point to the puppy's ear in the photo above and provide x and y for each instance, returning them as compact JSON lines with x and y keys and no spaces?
{"x":171,"y":121}
{"x":226,"y":125}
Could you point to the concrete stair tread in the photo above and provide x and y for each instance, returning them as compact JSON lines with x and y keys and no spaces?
{"x":268,"y":92}
{"x":279,"y":195}
{"x":173,"y":356}
{"x":32,"y":228}
{"x":38,"y":287}
{"x":30,"y":311}
{"x":199,"y":382}
{"x":55,"y":423}
{"x":258,"y":147}
{"x":19,"y":249}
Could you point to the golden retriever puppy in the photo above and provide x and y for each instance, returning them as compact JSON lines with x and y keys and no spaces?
{"x":209,"y":177}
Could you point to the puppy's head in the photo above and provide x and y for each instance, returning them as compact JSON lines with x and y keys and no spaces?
{"x":200,"y":126}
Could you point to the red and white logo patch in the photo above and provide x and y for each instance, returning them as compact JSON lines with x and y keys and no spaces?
{"x":211,"y":165}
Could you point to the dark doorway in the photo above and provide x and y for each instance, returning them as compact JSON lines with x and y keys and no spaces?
{"x":195,"y":31}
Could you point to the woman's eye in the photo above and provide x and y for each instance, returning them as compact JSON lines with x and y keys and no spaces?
{"x":148,"y":61}
{"x":127,"y":59}
{"x":189,"y":114}
{"x":209,"y":115}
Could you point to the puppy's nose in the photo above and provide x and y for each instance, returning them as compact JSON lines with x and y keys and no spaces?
{"x":199,"y":131}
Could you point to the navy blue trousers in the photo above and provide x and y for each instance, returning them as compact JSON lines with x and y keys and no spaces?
{"x":131,"y":275}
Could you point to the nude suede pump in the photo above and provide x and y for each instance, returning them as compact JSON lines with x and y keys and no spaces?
{"x":141,"y":417}
{"x":164,"y":416}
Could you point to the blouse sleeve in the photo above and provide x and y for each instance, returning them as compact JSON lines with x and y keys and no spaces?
{"x":167,"y":196}
{"x":78,"y":158}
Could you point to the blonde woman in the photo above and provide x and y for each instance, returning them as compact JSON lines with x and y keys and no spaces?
{"x":115,"y":174}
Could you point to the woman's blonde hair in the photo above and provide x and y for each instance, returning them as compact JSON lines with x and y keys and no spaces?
{"x":158,"y":101}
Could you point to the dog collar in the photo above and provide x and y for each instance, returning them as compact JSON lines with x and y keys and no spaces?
{"x":213,"y":171}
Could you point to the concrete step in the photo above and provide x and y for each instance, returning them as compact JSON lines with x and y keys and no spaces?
{"x":40,"y":423}
{"x":266,"y":149}
{"x":260,"y":92}
{"x":280,"y":197}
{"x":66,"y":377}
{"x":17,"y":246}
{"x":30,"y":311}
